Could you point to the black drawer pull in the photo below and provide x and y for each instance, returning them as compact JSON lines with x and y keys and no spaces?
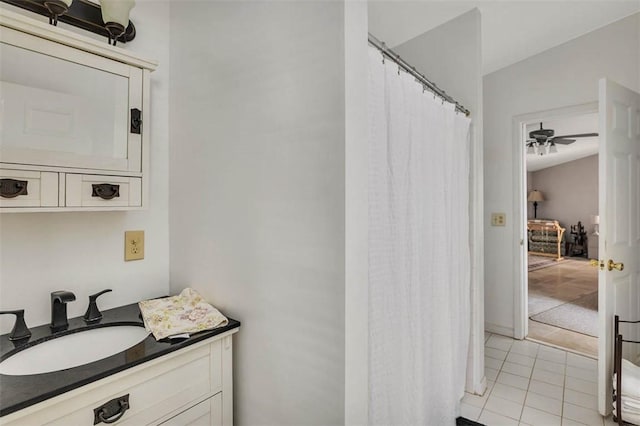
{"x":106,"y":191}
{"x":111,"y":411}
{"x":11,"y":188}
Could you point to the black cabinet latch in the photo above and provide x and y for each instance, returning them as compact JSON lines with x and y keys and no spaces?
{"x":136,"y":121}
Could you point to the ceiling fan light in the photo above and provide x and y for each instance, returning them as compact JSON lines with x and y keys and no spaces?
{"x":530,"y":149}
{"x":553,"y":149}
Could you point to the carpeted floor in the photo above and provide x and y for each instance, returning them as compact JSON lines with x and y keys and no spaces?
{"x":579,"y":315}
{"x":538,"y":262}
{"x":564,"y":295}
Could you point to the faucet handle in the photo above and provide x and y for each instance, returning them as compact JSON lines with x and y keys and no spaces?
{"x":93,"y":313}
{"x":20,"y":330}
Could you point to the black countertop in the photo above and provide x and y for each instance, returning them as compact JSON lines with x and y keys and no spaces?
{"x":18,"y":392}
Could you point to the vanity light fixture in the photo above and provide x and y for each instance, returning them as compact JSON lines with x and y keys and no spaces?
{"x":115,"y":15}
{"x":85,"y":14}
{"x":57,"y":8}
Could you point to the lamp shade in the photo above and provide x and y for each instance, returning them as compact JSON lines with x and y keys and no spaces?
{"x":595,"y":219}
{"x":116,"y":11}
{"x":536,"y":196}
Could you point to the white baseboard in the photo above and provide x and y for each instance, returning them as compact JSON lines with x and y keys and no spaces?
{"x":499,"y":329}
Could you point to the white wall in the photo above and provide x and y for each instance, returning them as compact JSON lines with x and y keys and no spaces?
{"x":356,"y":215}
{"x":570,"y":191}
{"x":451,"y":56}
{"x":563,"y":76}
{"x":84,"y":252}
{"x":257,"y":186}
{"x":529,"y":189}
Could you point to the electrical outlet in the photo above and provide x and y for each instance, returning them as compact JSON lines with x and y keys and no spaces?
{"x":498,"y":219}
{"x":133,"y":245}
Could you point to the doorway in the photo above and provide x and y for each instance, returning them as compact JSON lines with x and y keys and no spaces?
{"x":560,"y":227}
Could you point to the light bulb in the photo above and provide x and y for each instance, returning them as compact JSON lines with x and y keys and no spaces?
{"x":530,"y":148}
{"x":115,"y":15}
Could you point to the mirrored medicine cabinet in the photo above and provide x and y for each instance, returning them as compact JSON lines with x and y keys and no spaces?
{"x":74,"y":120}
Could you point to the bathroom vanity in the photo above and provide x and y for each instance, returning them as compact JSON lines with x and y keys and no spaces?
{"x":74,"y":120}
{"x":183,"y":382}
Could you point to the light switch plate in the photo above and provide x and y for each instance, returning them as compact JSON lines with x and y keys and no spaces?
{"x":498,"y":219}
{"x":133,"y":245}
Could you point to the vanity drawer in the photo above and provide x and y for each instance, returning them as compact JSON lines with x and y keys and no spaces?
{"x":165,"y":390}
{"x":175,"y":390}
{"x":207,"y":413}
{"x":103,"y":191}
{"x":22,"y":188}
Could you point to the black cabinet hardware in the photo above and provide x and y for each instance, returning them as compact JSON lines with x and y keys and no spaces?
{"x":136,"y":121}
{"x":11,"y":188}
{"x":106,"y":191}
{"x":111,"y":411}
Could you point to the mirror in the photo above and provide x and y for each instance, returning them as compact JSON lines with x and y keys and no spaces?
{"x":50,"y":104}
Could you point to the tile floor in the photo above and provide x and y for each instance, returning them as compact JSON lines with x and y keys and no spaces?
{"x":532,"y":384}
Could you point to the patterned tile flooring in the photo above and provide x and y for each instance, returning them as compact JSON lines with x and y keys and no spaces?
{"x":536,"y":385}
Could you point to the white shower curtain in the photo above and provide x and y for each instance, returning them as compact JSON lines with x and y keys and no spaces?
{"x":419,"y":258}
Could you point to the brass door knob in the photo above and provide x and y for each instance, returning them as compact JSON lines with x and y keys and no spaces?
{"x":613,"y":265}
{"x":597,"y":263}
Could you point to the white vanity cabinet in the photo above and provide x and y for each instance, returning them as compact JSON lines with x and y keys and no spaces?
{"x":76,"y":110}
{"x":191,"y":386}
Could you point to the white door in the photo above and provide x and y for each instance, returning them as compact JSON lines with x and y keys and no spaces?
{"x":619,"y":177}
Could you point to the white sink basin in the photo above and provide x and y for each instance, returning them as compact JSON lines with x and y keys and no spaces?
{"x":73,"y":350}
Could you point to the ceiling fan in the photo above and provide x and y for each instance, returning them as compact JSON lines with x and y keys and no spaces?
{"x":542,"y":141}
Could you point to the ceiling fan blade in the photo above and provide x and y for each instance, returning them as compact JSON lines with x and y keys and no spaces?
{"x":581,"y":135}
{"x":563,"y":141}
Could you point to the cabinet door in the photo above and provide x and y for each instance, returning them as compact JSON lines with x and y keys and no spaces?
{"x":64,"y":107}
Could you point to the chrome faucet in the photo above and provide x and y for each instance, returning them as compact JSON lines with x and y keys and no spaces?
{"x":59,"y":300}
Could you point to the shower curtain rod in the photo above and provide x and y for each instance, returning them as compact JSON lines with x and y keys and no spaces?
{"x":382,"y":47}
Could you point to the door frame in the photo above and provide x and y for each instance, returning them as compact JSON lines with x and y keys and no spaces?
{"x":520,"y":273}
